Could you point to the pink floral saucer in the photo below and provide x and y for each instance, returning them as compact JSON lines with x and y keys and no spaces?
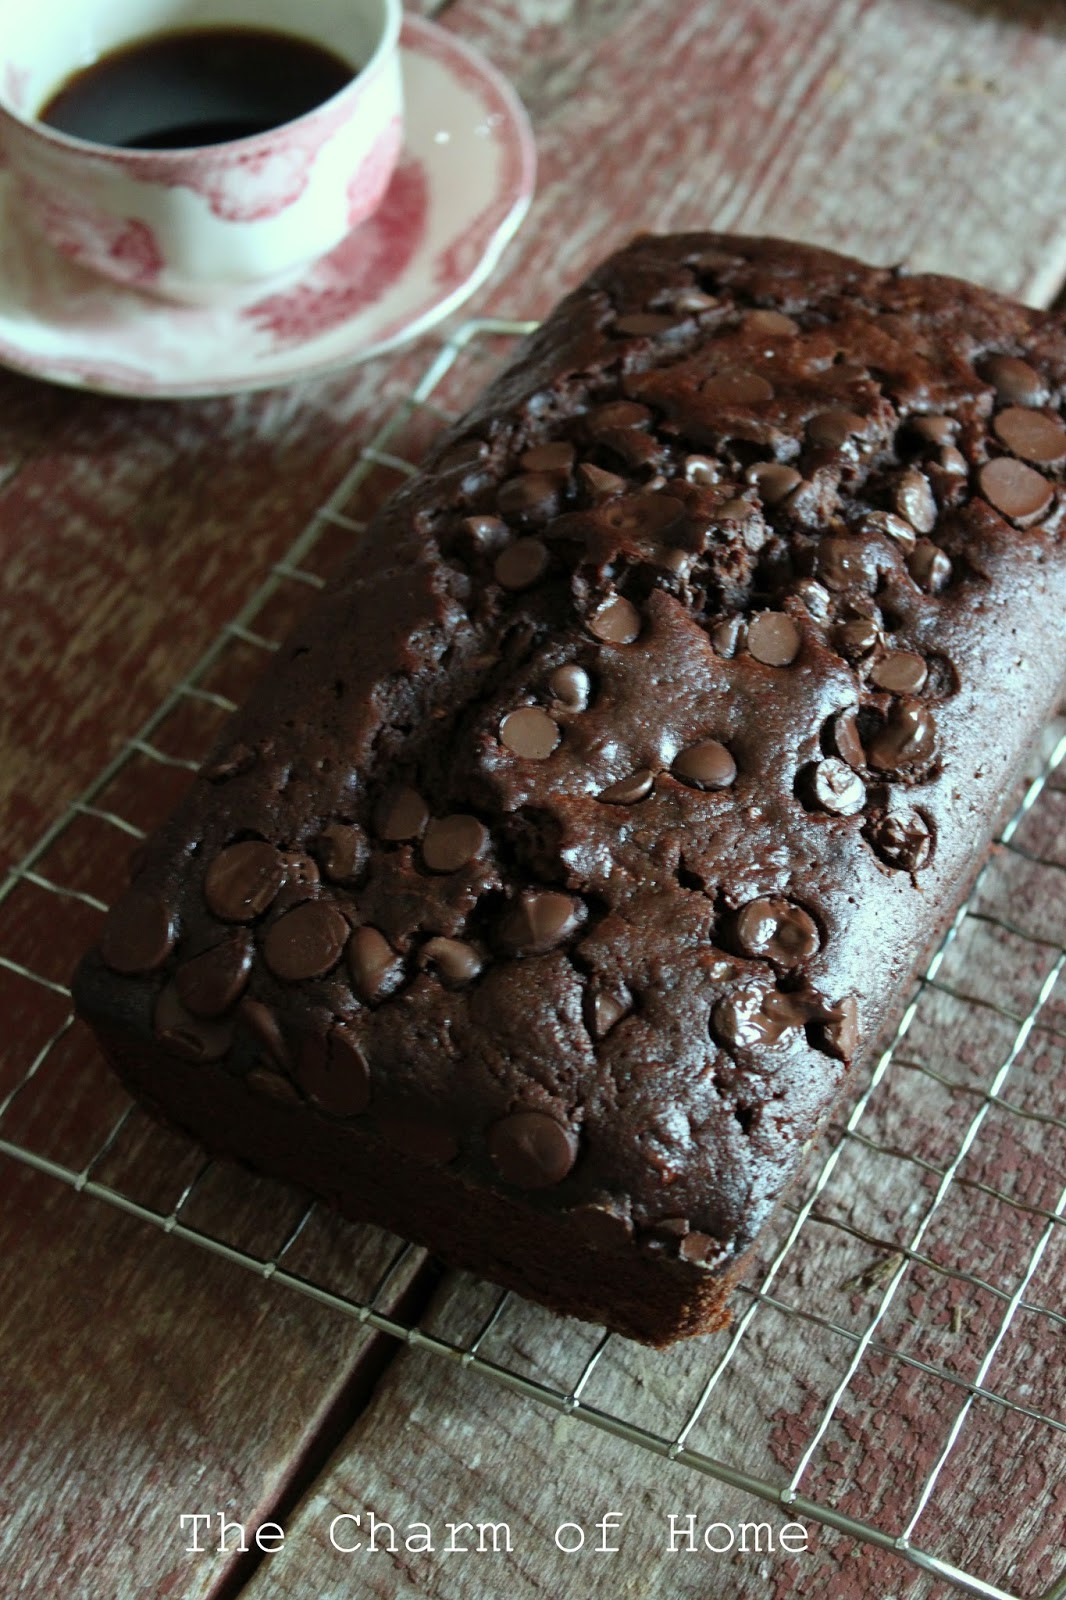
{"x":462,"y":186}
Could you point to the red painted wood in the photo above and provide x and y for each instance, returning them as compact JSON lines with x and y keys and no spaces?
{"x":141,"y":1371}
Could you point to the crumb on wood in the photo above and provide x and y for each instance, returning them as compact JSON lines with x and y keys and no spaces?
{"x":873,"y":1274}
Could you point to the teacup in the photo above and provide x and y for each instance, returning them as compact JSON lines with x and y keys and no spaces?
{"x":214,"y":222}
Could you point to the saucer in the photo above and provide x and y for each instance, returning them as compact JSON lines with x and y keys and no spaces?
{"x":463,"y":184}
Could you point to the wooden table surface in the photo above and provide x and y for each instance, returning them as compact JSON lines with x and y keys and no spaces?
{"x":141,"y":1378}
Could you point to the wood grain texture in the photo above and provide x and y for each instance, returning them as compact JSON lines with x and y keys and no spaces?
{"x":141,"y":1371}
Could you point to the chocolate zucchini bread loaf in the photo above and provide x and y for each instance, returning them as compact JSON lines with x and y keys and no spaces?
{"x":593,"y":822}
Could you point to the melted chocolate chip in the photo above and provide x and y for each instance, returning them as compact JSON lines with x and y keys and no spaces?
{"x":774,"y":638}
{"x":531,"y":1150}
{"x":334,"y":1073}
{"x":213,"y":981}
{"x":522,"y":564}
{"x":901,"y":672}
{"x":707,"y":765}
{"x":243,"y":880}
{"x":570,"y":687}
{"x":1015,"y":381}
{"x":751,"y":1015}
{"x":192,"y":1038}
{"x":530,"y":733}
{"x":453,"y":960}
{"x":1021,"y":494}
{"x":835,"y":788}
{"x":857,"y":638}
{"x":906,"y":739}
{"x":602,"y":1011}
{"x":1031,"y":434}
{"x":845,"y":741}
{"x":737,"y":388}
{"x":777,"y":930}
{"x":451,"y":842}
{"x":306,"y":942}
{"x":343,"y":851}
{"x":375,"y":967}
{"x":903,"y":840}
{"x":617,"y":621}
{"x":539,"y":921}
{"x":138,"y":933}
{"x":403,"y":816}
{"x":628,"y":791}
{"x":774,"y":481}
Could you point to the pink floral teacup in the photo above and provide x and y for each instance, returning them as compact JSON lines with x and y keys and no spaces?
{"x":213,"y":222}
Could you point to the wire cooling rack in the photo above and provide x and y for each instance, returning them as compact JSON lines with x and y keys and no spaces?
{"x":895,"y":1370}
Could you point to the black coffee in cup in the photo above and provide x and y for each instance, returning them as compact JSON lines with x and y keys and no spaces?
{"x":196,"y":86}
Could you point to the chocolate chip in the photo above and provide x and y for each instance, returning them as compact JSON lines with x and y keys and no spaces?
{"x":451,"y":842}
{"x":534,"y":496}
{"x":915,"y":500}
{"x":728,"y":635}
{"x":833,"y":428}
{"x":844,"y":737}
{"x":213,"y":981}
{"x":403,"y":815}
{"x":416,"y":1136}
{"x":522,"y":564}
{"x":467,"y":453}
{"x":334,"y":1073}
{"x":1031,"y":434}
{"x":301,"y":878}
{"x":453,"y":960}
{"x":929,"y":566}
{"x":485,"y":534}
{"x":707,"y":765}
{"x":306,"y":942}
{"x":138,"y":933}
{"x":343,"y":851}
{"x":906,"y":739}
{"x":857,"y":638}
{"x":531,"y":1150}
{"x":902,"y":840}
{"x":953,"y":461}
{"x":735,"y":510}
{"x":243,"y":880}
{"x":643,"y":324}
{"x":774,"y":481}
{"x":747,"y":1016}
{"x":375,"y":967}
{"x":598,"y":484}
{"x":193,"y":1038}
{"x":774,"y":638}
{"x":888,"y":525}
{"x":901,"y":672}
{"x":617,"y":414}
{"x":530,"y":733}
{"x":569,"y":685}
{"x":1022,"y":495}
{"x":835,"y":788}
{"x":701,"y":470}
{"x":558,"y":456}
{"x":628,"y":791}
{"x":644,"y":513}
{"x":737,"y":388}
{"x":693,"y":300}
{"x":261,"y":1080}
{"x":935,"y":430}
{"x":540,"y":920}
{"x":774,"y":323}
{"x":701,"y":1250}
{"x":815,"y":598}
{"x":1015,"y":381}
{"x":602,"y":1011}
{"x":841,"y":562}
{"x":263,"y":1024}
{"x":602,"y":1227}
{"x":617,"y":621}
{"x":839,"y":1029}
{"x":775,"y":928}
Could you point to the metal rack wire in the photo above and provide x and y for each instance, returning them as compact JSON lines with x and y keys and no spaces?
{"x":820,"y":1226}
